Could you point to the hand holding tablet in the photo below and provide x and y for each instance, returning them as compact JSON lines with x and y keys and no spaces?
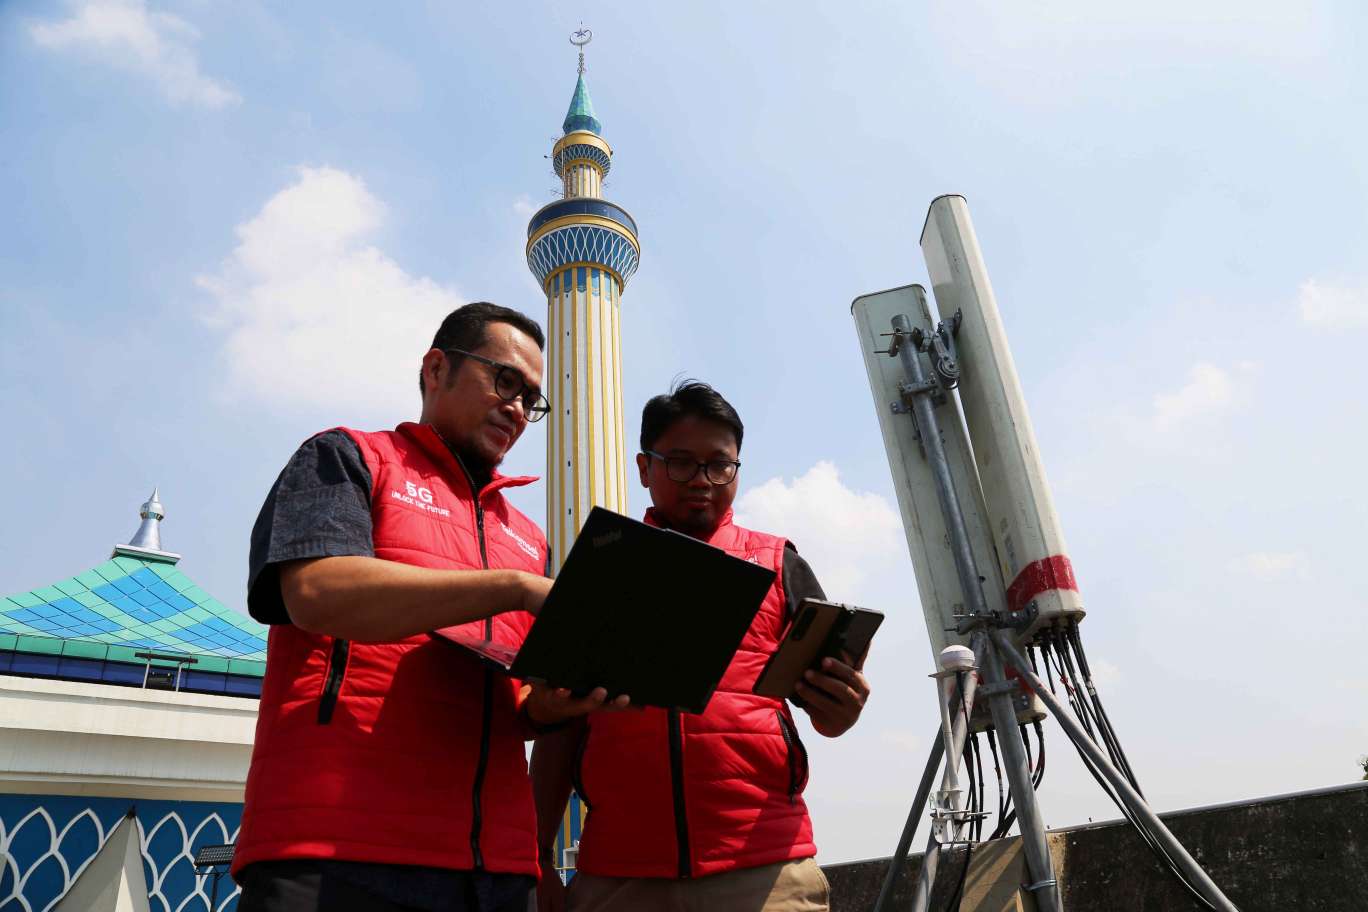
{"x":819,"y":630}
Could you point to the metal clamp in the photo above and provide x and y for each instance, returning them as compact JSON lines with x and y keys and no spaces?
{"x":1021,"y":618}
{"x":943,"y":356}
{"x":911,"y":389}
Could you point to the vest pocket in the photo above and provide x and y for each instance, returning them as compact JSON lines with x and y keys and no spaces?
{"x":332,"y":682}
{"x":797,"y":756}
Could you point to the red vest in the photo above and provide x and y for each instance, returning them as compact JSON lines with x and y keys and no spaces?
{"x":407,"y":752}
{"x":677,"y":795}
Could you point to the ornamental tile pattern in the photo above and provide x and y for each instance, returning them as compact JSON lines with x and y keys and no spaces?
{"x":46,"y":841}
{"x":582,"y":150}
{"x":128,"y":604}
{"x":582,"y":244}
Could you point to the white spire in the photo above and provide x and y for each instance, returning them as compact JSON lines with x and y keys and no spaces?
{"x":149,"y":533}
{"x":146,"y":542}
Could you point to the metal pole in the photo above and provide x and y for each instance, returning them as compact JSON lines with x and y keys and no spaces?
{"x":925,"y":411}
{"x":928,"y":426}
{"x":1043,"y":885}
{"x":959,"y":731}
{"x":1185,"y":862}
{"x":1044,"y":888}
{"x":910,"y":827}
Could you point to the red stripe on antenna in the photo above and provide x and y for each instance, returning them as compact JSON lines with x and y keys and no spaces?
{"x":1053,"y":572}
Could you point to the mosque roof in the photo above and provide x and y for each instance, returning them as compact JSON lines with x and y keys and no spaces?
{"x":135,"y":602}
{"x":581,"y":113}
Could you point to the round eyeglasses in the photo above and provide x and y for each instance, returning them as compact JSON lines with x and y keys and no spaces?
{"x":510,"y":385}
{"x":682,"y":469}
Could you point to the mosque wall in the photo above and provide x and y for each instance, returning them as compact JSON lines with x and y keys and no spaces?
{"x":48,"y":841}
{"x":76,"y":758}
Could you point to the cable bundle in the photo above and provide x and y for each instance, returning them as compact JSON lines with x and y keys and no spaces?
{"x":1061,"y":650}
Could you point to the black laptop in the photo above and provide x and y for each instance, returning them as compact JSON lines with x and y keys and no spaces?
{"x":637,"y":610}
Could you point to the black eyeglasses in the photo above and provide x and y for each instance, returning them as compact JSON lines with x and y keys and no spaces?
{"x":510,"y":384}
{"x":682,"y":469}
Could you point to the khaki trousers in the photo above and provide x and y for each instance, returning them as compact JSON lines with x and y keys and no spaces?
{"x":788,"y":886}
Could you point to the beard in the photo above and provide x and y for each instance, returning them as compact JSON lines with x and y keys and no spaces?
{"x":693,"y":523}
{"x":479,"y":464}
{"x":478,"y":461}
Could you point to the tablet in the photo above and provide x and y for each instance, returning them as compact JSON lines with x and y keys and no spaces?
{"x":819,"y":629}
{"x":637,"y":610}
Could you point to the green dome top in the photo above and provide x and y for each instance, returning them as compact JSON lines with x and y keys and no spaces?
{"x":581,"y":113}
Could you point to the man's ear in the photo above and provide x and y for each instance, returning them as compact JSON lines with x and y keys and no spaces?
{"x":643,"y":466}
{"x":433,"y":364}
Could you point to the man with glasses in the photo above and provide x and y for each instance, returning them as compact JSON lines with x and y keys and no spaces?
{"x":388,"y":771}
{"x":699,"y":812}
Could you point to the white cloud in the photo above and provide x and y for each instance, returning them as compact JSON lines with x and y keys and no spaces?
{"x":1106,"y":675}
{"x":845,"y":535}
{"x":315,"y":316}
{"x":124,"y":33}
{"x":523,"y":207}
{"x":1333,"y":306}
{"x":1209,"y":391}
{"x":1272,"y":565}
{"x":902,"y":739}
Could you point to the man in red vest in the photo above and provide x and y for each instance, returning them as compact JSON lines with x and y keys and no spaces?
{"x":388,"y":771}
{"x":699,"y":811}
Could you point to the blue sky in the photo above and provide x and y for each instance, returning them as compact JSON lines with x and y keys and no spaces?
{"x":232,"y":225}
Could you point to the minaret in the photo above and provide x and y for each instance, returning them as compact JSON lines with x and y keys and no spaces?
{"x":582,"y":249}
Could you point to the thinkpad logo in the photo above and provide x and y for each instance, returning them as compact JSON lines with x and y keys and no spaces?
{"x":607,"y":538}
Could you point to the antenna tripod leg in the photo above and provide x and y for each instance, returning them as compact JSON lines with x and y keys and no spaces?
{"x":1191,"y":870}
{"x":914,"y":814}
{"x":999,"y":689}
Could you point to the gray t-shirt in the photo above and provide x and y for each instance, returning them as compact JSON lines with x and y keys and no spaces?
{"x":320,"y":506}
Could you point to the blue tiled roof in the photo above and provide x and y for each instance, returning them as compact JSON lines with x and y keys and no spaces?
{"x":581,"y":113}
{"x":129,"y":603}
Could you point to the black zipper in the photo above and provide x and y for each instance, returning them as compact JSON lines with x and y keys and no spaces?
{"x":332,"y":684}
{"x":677,"y":777}
{"x":476,"y":819}
{"x":486,"y":717}
{"x":797,"y":759}
{"x":577,"y":769}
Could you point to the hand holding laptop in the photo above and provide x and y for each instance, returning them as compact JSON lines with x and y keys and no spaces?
{"x":547,"y":706}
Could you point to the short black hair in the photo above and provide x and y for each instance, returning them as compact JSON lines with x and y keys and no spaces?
{"x":689,"y":397}
{"x":464,"y":328}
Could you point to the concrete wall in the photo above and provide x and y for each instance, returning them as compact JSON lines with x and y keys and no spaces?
{"x":1304,"y":851}
{"x":74,"y":738}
